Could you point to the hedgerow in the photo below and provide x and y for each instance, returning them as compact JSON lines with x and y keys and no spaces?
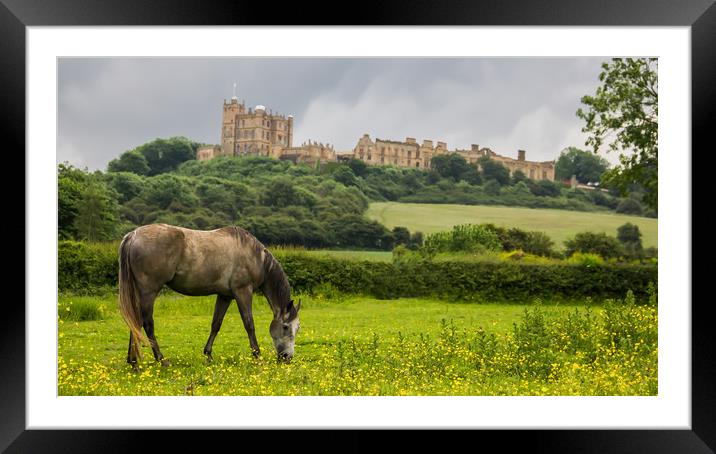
{"x":85,"y":267}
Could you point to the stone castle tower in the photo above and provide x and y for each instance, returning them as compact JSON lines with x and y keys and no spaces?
{"x":247,"y":131}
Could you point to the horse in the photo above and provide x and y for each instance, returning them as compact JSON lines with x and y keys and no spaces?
{"x":228,"y":262}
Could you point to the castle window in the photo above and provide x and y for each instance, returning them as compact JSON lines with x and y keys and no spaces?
{"x":417,"y":164}
{"x":544,"y":174}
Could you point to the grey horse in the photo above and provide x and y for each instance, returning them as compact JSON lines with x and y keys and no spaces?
{"x":228,"y":262}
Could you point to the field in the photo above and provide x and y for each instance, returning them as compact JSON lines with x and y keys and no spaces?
{"x":558,"y":224}
{"x":351,"y":345}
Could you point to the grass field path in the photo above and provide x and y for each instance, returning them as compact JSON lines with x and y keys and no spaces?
{"x":558,"y":224}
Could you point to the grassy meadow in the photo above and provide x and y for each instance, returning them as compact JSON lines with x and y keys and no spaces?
{"x":559,"y":225}
{"x":352,"y":345}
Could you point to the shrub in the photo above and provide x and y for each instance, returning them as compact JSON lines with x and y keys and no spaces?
{"x":87,"y":268}
{"x":463,"y":238}
{"x":586,"y":259}
{"x":532,"y":242}
{"x":629,"y":206}
{"x":545,"y":188}
{"x":596,"y":243}
{"x":492,"y":187}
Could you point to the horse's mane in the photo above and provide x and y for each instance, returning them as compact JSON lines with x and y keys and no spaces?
{"x":275,"y":279}
{"x":276,"y":282}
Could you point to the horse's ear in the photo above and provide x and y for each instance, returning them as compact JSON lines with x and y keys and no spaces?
{"x":298,"y":308}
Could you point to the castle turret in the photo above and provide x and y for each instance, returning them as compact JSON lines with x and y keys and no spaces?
{"x":229,"y":124}
{"x":520,"y":155}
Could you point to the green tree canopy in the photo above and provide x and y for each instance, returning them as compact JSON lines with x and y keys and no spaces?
{"x":493,"y":170}
{"x":96,"y":218}
{"x":130,"y":161}
{"x":160,"y":156}
{"x":450,"y":165}
{"x":71,"y":184}
{"x":630,"y":238}
{"x":623,"y":114}
{"x":587,"y":166}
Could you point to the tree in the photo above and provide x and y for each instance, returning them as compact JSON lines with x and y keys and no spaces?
{"x":358,"y":167}
{"x":624,"y":113}
{"x":493,"y":170}
{"x":96,"y":214}
{"x":130,"y":161}
{"x":630,"y":238}
{"x":401,"y":235}
{"x":71,"y":184}
{"x":161,"y":155}
{"x":587,"y":166}
{"x":451,"y":165}
{"x":518,"y":176}
{"x":472,"y":176}
{"x":345,"y":175}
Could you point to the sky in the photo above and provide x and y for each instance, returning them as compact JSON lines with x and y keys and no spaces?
{"x":110,"y":105}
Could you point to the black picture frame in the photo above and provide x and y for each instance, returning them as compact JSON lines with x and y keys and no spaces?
{"x":700,"y":15}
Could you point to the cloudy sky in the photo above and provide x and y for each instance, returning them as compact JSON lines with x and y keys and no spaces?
{"x":110,"y":105}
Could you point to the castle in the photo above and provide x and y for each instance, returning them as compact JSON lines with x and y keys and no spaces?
{"x":258,"y":132}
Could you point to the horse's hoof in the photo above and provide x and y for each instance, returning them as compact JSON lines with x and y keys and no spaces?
{"x":166,"y":363}
{"x":135,"y":368}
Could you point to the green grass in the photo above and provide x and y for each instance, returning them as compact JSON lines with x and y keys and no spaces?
{"x":560,"y":225}
{"x":351,"y":345}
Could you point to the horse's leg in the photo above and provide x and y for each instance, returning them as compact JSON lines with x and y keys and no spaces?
{"x":130,"y":359}
{"x":222,"y":304}
{"x":243,"y":298}
{"x":146,"y":302}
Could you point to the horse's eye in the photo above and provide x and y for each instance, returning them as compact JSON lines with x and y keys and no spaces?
{"x":285,"y":327}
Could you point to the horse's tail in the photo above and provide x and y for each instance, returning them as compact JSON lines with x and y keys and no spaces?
{"x":128,"y":297}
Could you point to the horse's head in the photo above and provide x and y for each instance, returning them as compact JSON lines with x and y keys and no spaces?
{"x":283,"y":330}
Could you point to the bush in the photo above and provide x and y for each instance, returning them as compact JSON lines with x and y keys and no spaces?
{"x":545,"y":188}
{"x":586,"y":259}
{"x":596,"y":243}
{"x":629,"y":206}
{"x":532,"y":242}
{"x":492,"y":187}
{"x":463,"y":238}
{"x":87,"y":266}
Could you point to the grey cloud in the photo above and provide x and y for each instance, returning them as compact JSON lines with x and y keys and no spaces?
{"x":107,"y":106}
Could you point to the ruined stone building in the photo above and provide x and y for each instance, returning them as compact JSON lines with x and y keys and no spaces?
{"x":410,"y":154}
{"x":260,"y":132}
{"x":401,"y":154}
{"x":534,"y":170}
